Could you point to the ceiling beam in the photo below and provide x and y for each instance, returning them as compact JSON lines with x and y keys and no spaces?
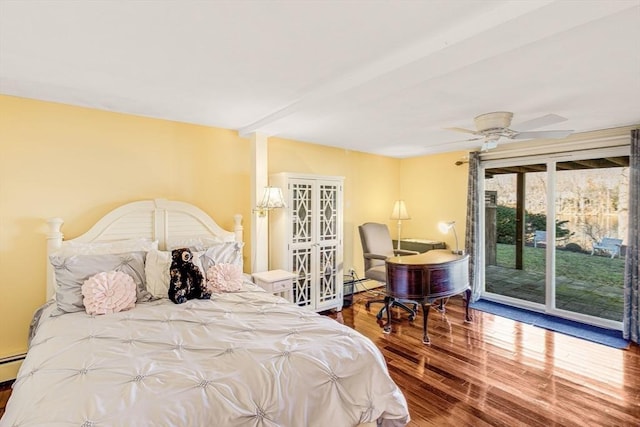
{"x":425,"y":53}
{"x":620,"y":161}
{"x":401,"y":58}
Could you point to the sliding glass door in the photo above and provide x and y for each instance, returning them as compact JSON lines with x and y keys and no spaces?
{"x":555,"y":231}
{"x":591,"y":204}
{"x":516,"y":205}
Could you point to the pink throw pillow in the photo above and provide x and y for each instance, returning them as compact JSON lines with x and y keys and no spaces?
{"x":109,"y":292}
{"x":224,"y":278}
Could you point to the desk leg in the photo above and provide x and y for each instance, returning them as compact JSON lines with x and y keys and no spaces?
{"x":467,"y":299}
{"x":387,"y":305}
{"x":425,"y":320}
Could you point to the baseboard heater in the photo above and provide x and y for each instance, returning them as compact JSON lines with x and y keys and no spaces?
{"x":350,"y":286}
{"x":14,"y":358}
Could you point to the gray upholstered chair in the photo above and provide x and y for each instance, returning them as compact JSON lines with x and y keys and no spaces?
{"x":377,"y":246}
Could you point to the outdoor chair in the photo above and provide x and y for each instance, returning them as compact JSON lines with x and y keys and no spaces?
{"x":539,"y":236}
{"x":608,"y":244}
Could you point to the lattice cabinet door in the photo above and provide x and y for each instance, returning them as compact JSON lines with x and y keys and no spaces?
{"x":300,"y":194}
{"x":306,"y":238}
{"x":329,"y":237}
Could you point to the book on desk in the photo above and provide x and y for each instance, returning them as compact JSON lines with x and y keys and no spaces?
{"x":419,"y":245}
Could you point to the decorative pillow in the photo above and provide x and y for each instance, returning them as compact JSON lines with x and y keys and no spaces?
{"x":224,"y":277}
{"x":156,"y":270}
{"x":72,"y":271}
{"x":194,"y":243}
{"x":227,"y":253}
{"x":109,"y":292}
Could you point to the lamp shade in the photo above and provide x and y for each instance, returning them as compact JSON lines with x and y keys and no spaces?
{"x":444,"y":227}
{"x":272,"y":198}
{"x":400,"y":210}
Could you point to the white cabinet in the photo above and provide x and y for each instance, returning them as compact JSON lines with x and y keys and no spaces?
{"x":306,"y":238}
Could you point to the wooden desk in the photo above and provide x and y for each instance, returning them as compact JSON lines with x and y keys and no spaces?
{"x":425,"y":278}
{"x":419,"y":245}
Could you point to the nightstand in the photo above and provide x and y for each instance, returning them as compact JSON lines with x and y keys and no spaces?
{"x":276,"y":282}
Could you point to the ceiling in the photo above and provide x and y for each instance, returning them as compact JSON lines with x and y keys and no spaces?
{"x":384,"y":77}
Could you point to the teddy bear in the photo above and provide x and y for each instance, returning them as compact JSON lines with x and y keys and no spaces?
{"x":186,"y":280}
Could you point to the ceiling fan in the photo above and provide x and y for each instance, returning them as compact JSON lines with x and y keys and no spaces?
{"x":491,"y":127}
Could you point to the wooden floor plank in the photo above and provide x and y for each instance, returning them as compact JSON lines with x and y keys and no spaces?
{"x":499,"y":372}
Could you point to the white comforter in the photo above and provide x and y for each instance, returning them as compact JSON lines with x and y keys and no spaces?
{"x":240,"y":359}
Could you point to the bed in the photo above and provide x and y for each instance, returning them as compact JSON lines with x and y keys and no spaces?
{"x":241,"y":358}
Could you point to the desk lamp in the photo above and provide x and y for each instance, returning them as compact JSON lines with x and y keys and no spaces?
{"x":444,"y":228}
{"x":399,"y":213}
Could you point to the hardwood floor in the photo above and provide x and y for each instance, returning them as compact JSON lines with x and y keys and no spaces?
{"x":5,"y":392}
{"x":498,"y":372}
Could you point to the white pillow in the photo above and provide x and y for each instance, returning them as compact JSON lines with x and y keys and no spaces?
{"x":222,"y":253}
{"x":156,"y":269}
{"x":195,"y":243}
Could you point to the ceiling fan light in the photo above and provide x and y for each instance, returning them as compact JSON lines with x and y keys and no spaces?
{"x":495,"y":120}
{"x":489,"y":145}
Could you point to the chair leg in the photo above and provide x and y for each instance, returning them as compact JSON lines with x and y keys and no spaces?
{"x":395,"y":303}
{"x":368,"y":303}
{"x":412,"y":313}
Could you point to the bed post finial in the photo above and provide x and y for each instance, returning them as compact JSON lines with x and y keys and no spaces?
{"x":54,"y":236}
{"x":54,"y":242}
{"x":238,"y":228}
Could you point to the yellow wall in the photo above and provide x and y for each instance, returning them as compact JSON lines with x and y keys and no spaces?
{"x":433,"y":187}
{"x":78,"y":164}
{"x":435,"y":190}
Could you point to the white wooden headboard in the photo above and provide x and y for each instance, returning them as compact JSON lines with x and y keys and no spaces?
{"x":158,"y":219}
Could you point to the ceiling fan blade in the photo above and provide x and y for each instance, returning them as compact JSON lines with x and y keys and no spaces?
{"x":553,"y":134}
{"x":473,"y":132}
{"x":480,"y":138}
{"x":549,"y":119}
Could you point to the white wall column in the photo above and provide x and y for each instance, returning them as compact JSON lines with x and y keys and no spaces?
{"x":259,"y":225}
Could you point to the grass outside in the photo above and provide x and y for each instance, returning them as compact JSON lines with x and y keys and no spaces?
{"x":574,"y":265}
{"x":591,"y":285}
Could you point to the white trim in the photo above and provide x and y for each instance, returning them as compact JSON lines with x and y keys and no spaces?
{"x":607,"y":143}
{"x":259,"y":224}
{"x":550,"y":253}
{"x":597,"y":140}
{"x":614,"y":151}
{"x":540,"y":308}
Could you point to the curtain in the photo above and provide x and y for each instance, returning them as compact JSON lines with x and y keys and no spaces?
{"x":472,"y":235}
{"x":631,"y":318}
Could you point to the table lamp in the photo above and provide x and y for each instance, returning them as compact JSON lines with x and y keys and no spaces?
{"x":444,"y":228}
{"x":399,"y":213}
